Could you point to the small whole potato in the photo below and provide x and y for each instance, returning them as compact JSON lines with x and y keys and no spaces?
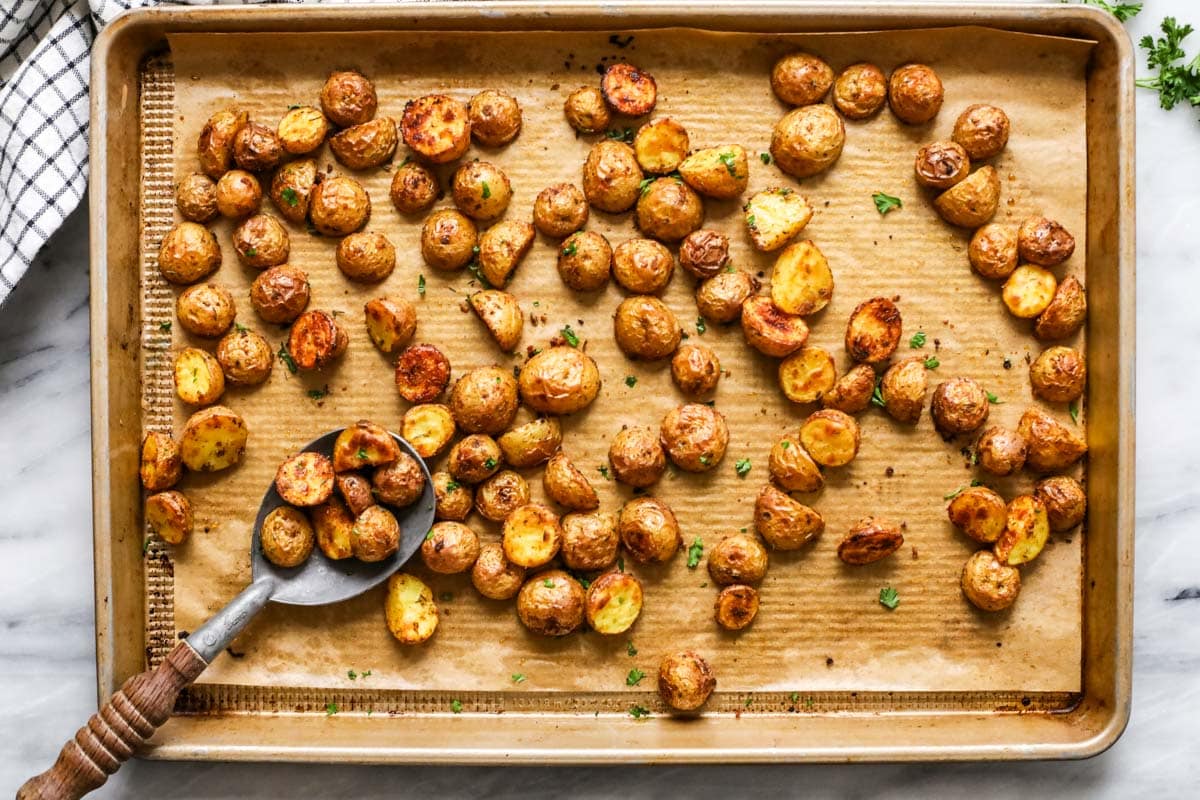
{"x":642,"y":266}
{"x":771,"y":330}
{"x":808,"y":140}
{"x":474,"y":459}
{"x":960,"y":405}
{"x":348,"y":98}
{"x":736,"y":607}
{"x":695,"y":369}
{"x":400,"y":483}
{"x":982,"y":130}
{"x":495,"y":117}
{"x":532,"y":536}
{"x":1044,"y":242}
{"x":830,"y":437}
{"x":160,"y":466}
{"x":1066,"y":313}
{"x":450,"y":548}
{"x":993,"y":250}
{"x":213,"y":439}
{"x":685,"y":681}
{"x":169,"y":516}
{"x":454,"y":500}
{"x":484,"y":400}
{"x":903,"y":389}
{"x":988,"y":583}
{"x":940,"y":165}
{"x":280,"y":294}
{"x":199,"y":380}
{"x":648,"y":530}
{"x":448,"y":239}
{"x":365,"y":257}
{"x":915,"y":93}
{"x":502,"y":247}
{"x":188,"y":253}
{"x":414,"y":188}
{"x":852,"y":392}
{"x":661,"y":146}
{"x":807,"y":374}
{"x":792,"y":468}
{"x":239,"y":194}
{"x":391,"y":322}
{"x":205,"y":309}
{"x":704,"y":253}
{"x":559,"y":380}
{"x":669,"y":210}
{"x":972,"y":201}
{"x":585,"y":261}
{"x":586,"y":110}
{"x":1058,"y":375}
{"x":196,"y":198}
{"x":334,"y":527}
{"x":637,"y":457}
{"x":428,"y":427}
{"x":694,"y":436}
{"x":801,"y":79}
{"x":261,"y":241}
{"x":257,"y":148}
{"x":1064,"y":499}
{"x":339,"y":206}
{"x":978,"y":512}
{"x":375,"y":535}
{"x":1052,"y":445}
{"x":1001,"y":451}
{"x":412,"y":616}
{"x":785,"y":523}
{"x":365,"y":145}
{"x":245,"y":357}
{"x":494,"y":576}
{"x":720,"y":298}
{"x":215,"y":143}
{"x":869,"y":540}
{"x":860,"y":90}
{"x":291,"y":189}
{"x":436,"y":128}
{"x":532,"y":443}
{"x":739,"y":558}
{"x":644,"y":327}
{"x":287,"y":537}
{"x":612,"y":177}
{"x":316,"y":339}
{"x":560,"y":210}
{"x":613,"y":602}
{"x":590,"y":541}
{"x":551,"y":603}
{"x":302,"y":129}
{"x":305,"y":479}
{"x":501,"y":494}
{"x":481,"y":190}
{"x":567,"y":486}
{"x":1029,"y":291}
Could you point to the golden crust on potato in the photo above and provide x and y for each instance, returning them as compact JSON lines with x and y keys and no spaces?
{"x":807,"y":374}
{"x":561,"y":209}
{"x":239,"y":194}
{"x":532,"y":536}
{"x":286,"y":537}
{"x":215,"y":143}
{"x":1066,"y":313}
{"x":978,"y":512}
{"x":348,"y":98}
{"x":915,"y":93}
{"x":792,"y":468}
{"x":771,"y":330}
{"x":355,"y":490}
{"x":400,"y":483}
{"x":1029,"y":291}
{"x":972,"y":201}
{"x":774,"y":216}
{"x":988,"y":583}
{"x":316,"y":339}
{"x":959,"y":405}
{"x":590,"y":541}
{"x":559,"y":380}
{"x":613,"y":603}
{"x":502,"y":316}
{"x":196,"y":198}
{"x":436,"y":128}
{"x":495,"y":117}
{"x":860,"y":91}
{"x":474,"y":458}
{"x":454,"y":500}
{"x":375,"y":535}
{"x":422,"y":373}
{"x":873,"y":332}
{"x":685,"y":681}
{"x":213,"y":439}
{"x":199,"y":380}
{"x":720,"y":298}
{"x":257,"y":148}
{"x":448,"y":240}
{"x":739,"y":558}
{"x":305,"y":479}
{"x":612,"y":178}
{"x":903,"y":389}
{"x":366,"y":145}
{"x":334,"y":527}
{"x":450,"y":548}
{"x":718,"y":172}
{"x":160,"y":465}
{"x":1044,"y":242}
{"x":694,"y":436}
{"x":280,"y":294}
{"x":414,"y":188}
{"x":1052,"y":445}
{"x":363,"y":444}
{"x":642,"y":266}
{"x":502,"y":247}
{"x":169,"y":516}
{"x":808,"y":140}
{"x":494,"y":576}
{"x":1001,"y":451}
{"x":261,"y":241}
{"x":982,"y":130}
{"x":428,"y":427}
{"x":532,"y":443}
{"x":338,"y":206}
{"x":649,"y":530}
{"x":205,"y":309}
{"x":637,"y":456}
{"x":695,"y":369}
{"x":1064,"y":499}
{"x":852,"y":392}
{"x":586,"y":110}
{"x":291,"y":189}
{"x":1058,"y":374}
{"x":801,"y":79}
{"x":785,"y":523}
{"x":501,"y":494}
{"x":629,"y":90}
{"x":567,"y":486}
{"x":188,"y":253}
{"x":551,"y":603}
{"x":801,"y":282}
{"x":412,"y":615}
{"x":661,"y":145}
{"x":302,"y":129}
{"x":484,"y":400}
{"x":736,"y":607}
{"x":481,"y":190}
{"x":644,"y":327}
{"x":993,"y":250}
{"x":869,"y":540}
{"x":831,"y":437}
{"x":668,"y":210}
{"x":391,"y":322}
{"x":1026,"y":530}
{"x":366,"y":257}
{"x":585,"y":261}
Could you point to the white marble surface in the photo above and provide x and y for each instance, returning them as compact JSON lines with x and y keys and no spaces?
{"x":47,"y":673}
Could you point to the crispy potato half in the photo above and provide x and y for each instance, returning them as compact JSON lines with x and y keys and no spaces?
{"x":873,"y":332}
{"x":629,"y":90}
{"x":305,"y":479}
{"x":972,"y":201}
{"x":316,"y":339}
{"x":831,"y":437}
{"x":502,"y":247}
{"x":769,"y":329}
{"x":852,"y":392}
{"x":391,"y":322}
{"x":1065,"y":314}
{"x":807,"y":374}
{"x":532,"y":536}
{"x":364,"y":444}
{"x":1029,"y":291}
{"x":411,"y":614}
{"x":169,"y":516}
{"x":792,"y":468}
{"x":785,"y":523}
{"x":161,"y":466}
{"x":774,"y":216}
{"x":718,"y":172}
{"x":287,"y":537}
{"x":1026,"y":530}
{"x":988,"y":583}
{"x":532,"y":443}
{"x":567,"y":486}
{"x":436,"y":127}
{"x":502,"y":316}
{"x":661,"y":146}
{"x":213,"y":439}
{"x":978,"y":512}
{"x":428,"y":427}
{"x":1052,"y":445}
{"x":801,"y":282}
{"x":334,"y":526}
{"x":869,"y":540}
{"x":422,"y":373}
{"x":736,"y":607}
{"x":355,"y":490}
{"x":613,"y":603}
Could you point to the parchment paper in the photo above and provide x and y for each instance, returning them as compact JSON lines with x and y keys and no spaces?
{"x":821,"y":626}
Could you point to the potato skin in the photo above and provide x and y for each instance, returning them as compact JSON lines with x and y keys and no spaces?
{"x":808,"y":140}
{"x":1052,"y":445}
{"x":363,"y":444}
{"x":694,"y":436}
{"x":1064,"y":499}
{"x":940,"y":165}
{"x":989,"y":584}
{"x":695,"y":369}
{"x":391,"y":322}
{"x":721,"y":172}
{"x":199,"y":380}
{"x":915,"y":93}
{"x":169,"y":516}
{"x":642,"y":266}
{"x":501,"y":494}
{"x":704,"y":253}
{"x":481,"y":190}
{"x":644,"y":327}
{"x":831,"y":437}
{"x":355,"y":490}
{"x":586,"y":110}
{"x":484,"y":400}
{"x":629,"y":90}
{"x":613,"y":602}
{"x":648,"y":530}
{"x":960,"y":405}
{"x":239,"y":194}
{"x":287,"y":537}
{"x":412,"y":616}
{"x":436,"y":128}
{"x":637,"y":456}
{"x":612,"y":177}
{"x":532,"y":443}
{"x":860,"y":91}
{"x":770,"y":330}
{"x":205,"y":309}
{"x":316,"y":340}
{"x":474,"y":458}
{"x":585,"y":261}
{"x":982,"y":130}
{"x":1001,"y":451}
{"x":196,"y":198}
{"x":160,"y":466}
{"x":720,"y":298}
{"x":785,"y":523}
{"x":302,"y":129}
{"x":993,"y":250}
{"x":978,"y":512}
{"x":215,"y":143}
{"x":567,"y":486}
{"x":1029,"y":291}
{"x":188,"y":253}
{"x":972,"y":201}
{"x":454,"y":500}
{"x":448,"y":240}
{"x":669,"y":210}
{"x":501,"y":315}
{"x":1044,"y":242}
{"x":261,"y":242}
{"x":1066,"y":313}
{"x":560,"y":210}
{"x":1026,"y":530}
{"x":801,"y":79}
{"x":739,"y":558}
{"x":501,"y":249}
{"x":1058,"y":374}
{"x":280,"y":294}
{"x":661,"y":145}
{"x":590,"y":541}
{"x":450,"y":548}
{"x":257,"y":148}
{"x":348,"y":98}
{"x":213,"y":439}
{"x":494,"y":576}
{"x":414,"y":189}
{"x":366,"y":257}
{"x":792,"y":468}
{"x":903,"y":389}
{"x":685,"y":681}
{"x":365,"y":145}
{"x":869,"y":540}
{"x":339,"y":206}
{"x":400,"y":483}
{"x":551,"y":603}
{"x":852,"y":392}
{"x":291,"y":189}
{"x":422,"y":373}
{"x":305,"y":479}
{"x":532,"y":536}
{"x":559,"y":380}
{"x":334,"y":527}
{"x":736,"y":607}
{"x":495,"y":117}
{"x":376,"y":534}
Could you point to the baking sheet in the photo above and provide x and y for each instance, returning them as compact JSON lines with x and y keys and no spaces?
{"x":821,"y":627}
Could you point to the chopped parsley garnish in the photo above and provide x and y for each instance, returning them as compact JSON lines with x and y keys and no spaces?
{"x":331,"y":709}
{"x":917,"y":341}
{"x":429,"y":535}
{"x":634,"y":677}
{"x":251,"y":251}
{"x":318,"y":394}
{"x":730,"y":162}
{"x":477,"y":273}
{"x":621,"y":568}
{"x":644,"y":186}
{"x":518,"y":677}
{"x":570,"y":336}
{"x":742,"y":467}
{"x":695,"y":551}
{"x":362,"y":453}
{"x":637,"y":712}
{"x":1074,"y":411}
{"x":165,"y":327}
{"x":548,"y":583}
{"x":629,"y":648}
{"x":631,"y":381}
{"x":889,"y":597}
{"x":421,"y":285}
{"x":705,"y":459}
{"x":620,"y":134}
{"x":877,"y":394}
{"x":290,"y":197}
{"x":960,"y":490}
{"x":240,"y":328}
{"x":785,"y":444}
{"x":700,"y":326}
{"x":286,"y":358}
{"x":794,"y":697}
{"x":886,"y":202}
{"x":456,"y":706}
{"x":604,"y":471}
{"x":453,"y":486}
{"x":487,"y":191}
{"x":932,"y":362}
{"x":993,"y":399}
{"x":366,"y":674}
{"x":490,"y":463}
{"x":750,"y":222}
{"x":764,"y":157}
{"x":351,"y":674}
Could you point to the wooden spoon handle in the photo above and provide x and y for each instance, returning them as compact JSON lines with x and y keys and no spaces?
{"x":117,"y":730}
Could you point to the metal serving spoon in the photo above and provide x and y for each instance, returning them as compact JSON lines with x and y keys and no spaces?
{"x":146,"y":700}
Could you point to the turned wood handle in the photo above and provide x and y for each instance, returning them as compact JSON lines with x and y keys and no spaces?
{"x":117,"y":730}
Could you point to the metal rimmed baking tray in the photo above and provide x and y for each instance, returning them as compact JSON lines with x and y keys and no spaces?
{"x":133,"y":93}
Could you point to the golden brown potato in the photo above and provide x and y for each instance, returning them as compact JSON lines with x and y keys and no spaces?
{"x":196,"y":198}
{"x":291,"y":189}
{"x":613,"y":602}
{"x":560,"y":210}
{"x":915,"y":93}
{"x":348,"y":98}
{"x":305,"y":479}
{"x":1064,"y":500}
{"x":215,"y":144}
{"x":551,"y":603}
{"x":422,"y":373}
{"x":642,"y":266}
{"x":801,"y":282}
{"x":205,"y":309}
{"x":941,"y":165}
{"x":695,"y":369}
{"x":567,"y":486}
{"x":590,"y":541}
{"x":366,"y":257}
{"x":960,"y":405}
{"x":703,"y":253}
{"x":860,"y":90}
{"x":649,"y":530}
{"x":257,"y":148}
{"x":808,"y":140}
{"x":366,"y":145}
{"x":982,"y":130}
{"x":869,"y":540}
{"x":978,"y":512}
{"x":411,"y":614}
{"x":612,"y":177}
{"x":685,"y":681}
{"x":261,"y":242}
{"x":1065,"y":314}
{"x":501,"y":315}
{"x":286,"y":537}
{"x":414,"y":188}
{"x":739,"y":558}
{"x":474,"y":458}
{"x":989,"y":584}
{"x":831,"y":437}
{"x":302,"y":129}
{"x":501,"y":494}
{"x":400,"y":483}
{"x":1044,"y":242}
{"x":770,"y":330}
{"x":199,"y":380}
{"x":363,"y":444}
{"x":169,"y":516}
{"x":334,"y":527}
{"x":1029,"y":291}
{"x":852,"y":392}
{"x":161,"y":466}
{"x":736,"y":607}
{"x":559,"y":380}
{"x":484,"y":400}
{"x":637,"y":456}
{"x":355,"y":490}
{"x":873,"y":332}
{"x":428,"y":427}
{"x":694,"y":436}
{"x":972,"y":201}
{"x":454,"y":500}
{"x":280,"y":294}
{"x":532,"y":443}
{"x":585,"y":261}
{"x":189,"y":253}
{"x":213,"y":439}
{"x":792,"y":468}
{"x":720,"y":298}
{"x":339,"y":206}
{"x":629,"y":90}
{"x":903,"y":389}
{"x":801,"y":79}
{"x":807,"y":374}
{"x":391,"y":321}
{"x":375,"y":535}
{"x":586,"y":110}
{"x":1001,"y":451}
{"x":718,"y":172}
{"x":644,"y":327}
{"x":1026,"y":530}
{"x":532,"y":536}
{"x":437,"y":128}
{"x":660,"y":146}
{"x":1058,"y":375}
{"x":239,"y":194}
{"x":481,"y":190}
{"x":774,"y":216}
{"x":1052,"y":445}
{"x":450,"y":548}
{"x":993,"y":250}
{"x":448,"y":240}
{"x":784,"y":523}
{"x":501,"y":249}
{"x":495,"y":117}
{"x":494,"y":576}
{"x":316,"y":339}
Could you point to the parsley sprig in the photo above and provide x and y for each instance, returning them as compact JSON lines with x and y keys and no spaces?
{"x":886,"y":202}
{"x":1176,"y":81}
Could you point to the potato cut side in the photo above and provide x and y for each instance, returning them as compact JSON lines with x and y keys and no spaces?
{"x":169,"y":515}
{"x":802,"y":282}
{"x":873,"y":332}
{"x":773,"y":217}
{"x":1026,"y":530}
{"x":213,"y":439}
{"x":199,"y":380}
{"x":978,"y":512}
{"x":364,"y":444}
{"x":428,"y":427}
{"x":717,"y":172}
{"x":411,"y":614}
{"x":391,"y":322}
{"x":532,"y":536}
{"x":305,"y":479}
{"x":334,"y":525}
{"x":806,"y":375}
{"x":436,"y":127}
{"x":501,"y":249}
{"x":1029,"y":291}
{"x":831,"y":437}
{"x":661,"y":146}
{"x":613,"y":603}
{"x":629,"y":90}
{"x":501,"y":315}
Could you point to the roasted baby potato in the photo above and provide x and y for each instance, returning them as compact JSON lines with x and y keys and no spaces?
{"x":801,"y":282}
{"x":590,"y":541}
{"x":365,"y":145}
{"x":196,"y":198}
{"x":428,"y":427}
{"x":305,"y":479}
{"x":860,"y":90}
{"x":422,"y":373}
{"x":718,"y":172}
{"x":302,"y":129}
{"x":391,"y":322}
{"x":1001,"y":451}
{"x":334,"y":527}
{"x":586,"y":110}
{"x":567,"y":486}
{"x":280,"y":294}
{"x":287,"y":537}
{"x":784,"y":523}
{"x":982,"y":130}
{"x":585,"y":261}
{"x":291,"y":189}
{"x":161,"y":466}
{"x":642,"y":266}
{"x":903,"y":389}
{"x":695,"y":369}
{"x":915,"y":93}
{"x":1029,"y":291}
{"x":613,"y":602}
{"x":454,"y":500}
{"x":1058,"y":374}
{"x":169,"y":516}
{"x":685,"y":681}
{"x":474,"y":458}
{"x":205,"y":309}
{"x":532,"y":536}
{"x":960,"y":405}
{"x":1044,"y":242}
{"x":1052,"y":445}
{"x":501,"y":249}
{"x":501,"y":494}
{"x":993,"y":250}
{"x":774,"y":216}
{"x":720,"y":298}
{"x":739,"y":558}
{"x":400,"y":483}
{"x":644,"y":327}
{"x":972,"y":201}
{"x":978,"y":512}
{"x":199,"y":380}
{"x":532,"y":443}
{"x":770,"y":330}
{"x":375,"y":535}
{"x":736,"y":607}
{"x":257,"y":148}
{"x":559,"y":380}
{"x":660,"y":146}
{"x":355,"y":490}
{"x":481,"y":190}
{"x":494,"y":576}
{"x":338,"y":206}
{"x":448,"y":240}
{"x":484,"y":400}
{"x":261,"y":242}
{"x":366,"y":257}
{"x":704,"y":253}
{"x":648,"y":530}
{"x":450,"y":548}
{"x":808,"y":140}
{"x":213,"y":439}
{"x":801,"y":79}
{"x":215,"y":144}
{"x":316,"y":339}
{"x":807,"y":374}
{"x":792,"y":468}
{"x":873,"y":332}
{"x":941,"y":165}
{"x":869,"y":540}
{"x":1065,"y":314}
{"x":414,"y":188}
{"x":1026,"y":529}
{"x":612,"y":177}
{"x":239,"y":194}
{"x":560,"y":210}
{"x":637,"y":456}
{"x":852,"y":392}
{"x":437,"y":128}
{"x":831,"y":437}
{"x":629,"y":90}
{"x":1064,"y":500}
{"x":495,"y":117}
{"x":188,"y":253}
{"x":363,"y":444}
{"x":348,"y":98}
{"x":411,"y":614}
{"x":694,"y":436}
{"x":988,"y":583}
{"x":501,"y":315}
{"x":551,"y":603}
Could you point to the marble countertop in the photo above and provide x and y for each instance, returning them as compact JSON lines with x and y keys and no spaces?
{"x":47,"y":658}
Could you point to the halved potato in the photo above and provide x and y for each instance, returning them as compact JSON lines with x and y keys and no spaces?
{"x":784,"y":523}
{"x":1029,"y":291}
{"x":501,"y":494}
{"x":978,"y":512}
{"x":1052,"y":445}
{"x":305,"y":479}
{"x":169,"y":516}
{"x":736,"y":607}
{"x":532,"y":536}
{"x":792,"y":468}
{"x":391,"y":322}
{"x":806,"y":375}
{"x":411,"y":614}
{"x":213,"y":439}
{"x":629,"y":90}
{"x":422,"y":372}
{"x":160,"y":467}
{"x":873,"y":332}
{"x":567,"y":486}
{"x":1026,"y":529}
{"x":199,"y":380}
{"x":770,"y":330}
{"x":436,"y":127}
{"x":532,"y":443}
{"x":316,"y":339}
{"x":718,"y":172}
{"x":739,"y":558}
{"x":852,"y":392}
{"x":334,"y":525}
{"x":501,"y":315}
{"x":613,"y":602}
{"x":774,"y":216}
{"x":972,"y":201}
{"x":831,"y":437}
{"x":501,"y":249}
{"x":869,"y":540}
{"x":1066,"y":312}
{"x":428,"y":427}
{"x":802,"y":282}
{"x":661,"y":146}
{"x":364,"y":444}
